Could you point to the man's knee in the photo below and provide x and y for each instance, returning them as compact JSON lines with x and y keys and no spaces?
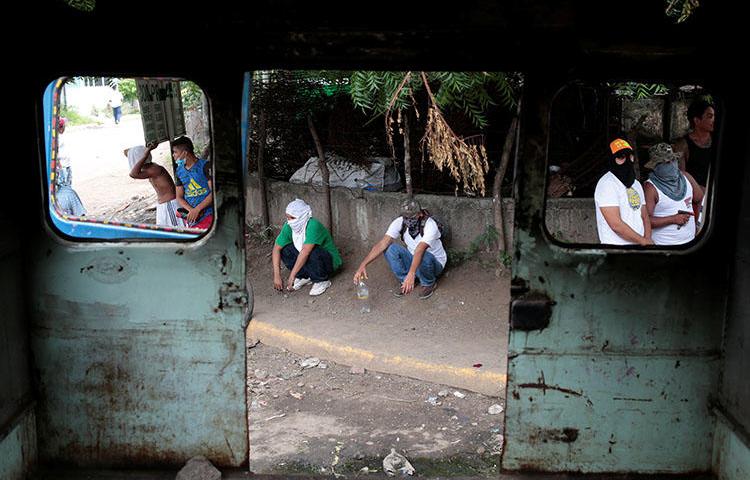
{"x":393,"y":251}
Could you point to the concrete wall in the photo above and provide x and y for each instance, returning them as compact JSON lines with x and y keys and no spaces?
{"x":361,"y":221}
{"x":571,"y":220}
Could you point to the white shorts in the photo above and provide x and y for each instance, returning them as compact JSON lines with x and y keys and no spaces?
{"x":166,"y":214}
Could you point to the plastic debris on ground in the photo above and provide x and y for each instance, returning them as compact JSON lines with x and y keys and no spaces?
{"x":394,"y":462}
{"x":495,"y":409}
{"x":310,"y":362}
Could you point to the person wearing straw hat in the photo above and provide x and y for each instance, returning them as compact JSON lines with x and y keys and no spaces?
{"x":621,"y":218}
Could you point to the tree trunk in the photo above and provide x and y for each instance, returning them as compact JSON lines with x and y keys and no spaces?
{"x":323,"y":173}
{"x":261,"y":174}
{"x":407,"y":157}
{"x":497,"y":201}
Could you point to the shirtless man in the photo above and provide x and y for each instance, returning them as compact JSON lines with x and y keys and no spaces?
{"x":141,"y":167}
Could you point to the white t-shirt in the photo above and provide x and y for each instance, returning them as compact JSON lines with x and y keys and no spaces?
{"x":611,"y":192}
{"x":116,"y":99}
{"x":431,"y":237}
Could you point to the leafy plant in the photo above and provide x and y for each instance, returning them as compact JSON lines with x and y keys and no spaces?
{"x":680,"y":10}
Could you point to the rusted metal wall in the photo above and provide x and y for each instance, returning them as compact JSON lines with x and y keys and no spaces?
{"x":17,"y":441}
{"x":139,"y":349}
{"x":732,"y":446}
{"x":621,"y":378}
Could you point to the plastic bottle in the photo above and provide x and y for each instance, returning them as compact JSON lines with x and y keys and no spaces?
{"x":363,"y":295}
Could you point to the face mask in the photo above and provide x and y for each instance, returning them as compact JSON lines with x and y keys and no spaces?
{"x":667,"y":171}
{"x":412,"y":223}
{"x":625,"y":172}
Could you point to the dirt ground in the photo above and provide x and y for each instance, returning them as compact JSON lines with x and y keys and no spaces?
{"x":331,"y":421}
{"x":463,"y":324}
{"x":100,"y":170}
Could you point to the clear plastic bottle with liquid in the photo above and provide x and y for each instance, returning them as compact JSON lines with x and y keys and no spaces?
{"x":363,"y":295}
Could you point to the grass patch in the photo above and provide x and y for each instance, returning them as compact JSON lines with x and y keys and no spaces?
{"x":74,"y":118}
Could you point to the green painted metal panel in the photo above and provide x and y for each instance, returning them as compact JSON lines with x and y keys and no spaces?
{"x":731,"y":454}
{"x":621,"y":378}
{"x":139,"y":349}
{"x":18,"y":448}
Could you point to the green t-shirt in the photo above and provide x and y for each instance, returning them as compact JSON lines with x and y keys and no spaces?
{"x":315,"y":234}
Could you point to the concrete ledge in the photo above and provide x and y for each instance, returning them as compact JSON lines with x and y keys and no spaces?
{"x":485,"y":382}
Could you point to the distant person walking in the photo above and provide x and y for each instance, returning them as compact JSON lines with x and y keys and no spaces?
{"x":115,"y":101}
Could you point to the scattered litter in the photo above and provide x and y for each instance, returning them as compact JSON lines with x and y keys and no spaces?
{"x":443,"y":393}
{"x":477,"y":365}
{"x":474,"y":424}
{"x":495,"y":409}
{"x":323,"y":365}
{"x":357,"y":370}
{"x":433,"y":401}
{"x":395,"y":461}
{"x":310,"y":362}
{"x":495,"y":430}
{"x":275,"y":416}
{"x":198,"y":468}
{"x":459,"y":394}
{"x":296,"y":395}
{"x":454,"y":417}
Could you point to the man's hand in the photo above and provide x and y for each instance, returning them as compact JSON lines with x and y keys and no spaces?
{"x":681,"y":218}
{"x":277,"y":282}
{"x":290,"y":283}
{"x":360,"y":274}
{"x":646,"y":241}
{"x":151,"y":146}
{"x":408,"y":284}
{"x":193,"y":214}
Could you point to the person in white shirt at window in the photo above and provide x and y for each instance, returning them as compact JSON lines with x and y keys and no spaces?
{"x":621,"y":218}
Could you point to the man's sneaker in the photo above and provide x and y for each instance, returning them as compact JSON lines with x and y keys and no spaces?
{"x":428,"y":291}
{"x":397,"y":291}
{"x":319,"y":287}
{"x":300,"y":282}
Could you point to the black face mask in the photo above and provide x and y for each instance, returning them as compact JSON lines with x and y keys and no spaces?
{"x":625,"y":172}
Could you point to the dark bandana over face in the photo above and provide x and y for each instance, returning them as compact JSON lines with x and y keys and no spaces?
{"x":412,"y":223}
{"x":625,"y":172}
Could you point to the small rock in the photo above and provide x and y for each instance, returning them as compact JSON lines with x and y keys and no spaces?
{"x":459,"y":394}
{"x":443,"y":393}
{"x":311,"y":301}
{"x":474,"y":424}
{"x":454,"y":417}
{"x":260,"y":374}
{"x":323,"y":366}
{"x":198,"y":468}
{"x":300,"y":384}
{"x":395,"y":461}
{"x":310,"y":362}
{"x":481,"y":450}
{"x":296,"y":395}
{"x":495,"y":409}
{"x":357,"y":371}
{"x":369,"y":443}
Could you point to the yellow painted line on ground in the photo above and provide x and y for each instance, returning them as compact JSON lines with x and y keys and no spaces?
{"x":259,"y":330}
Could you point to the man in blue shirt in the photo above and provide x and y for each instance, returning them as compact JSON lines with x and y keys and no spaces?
{"x":193,"y":183}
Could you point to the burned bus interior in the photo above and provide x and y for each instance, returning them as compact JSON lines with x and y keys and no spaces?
{"x":133,"y":335}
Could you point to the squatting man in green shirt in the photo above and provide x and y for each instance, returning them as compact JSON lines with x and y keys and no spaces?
{"x":306,"y":248}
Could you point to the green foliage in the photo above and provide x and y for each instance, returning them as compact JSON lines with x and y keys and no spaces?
{"x":639,"y":91}
{"x":128,"y":90}
{"x":192,"y":95}
{"x":82,"y":5}
{"x":680,"y":10}
{"x":472,"y":93}
{"x":73,"y":118}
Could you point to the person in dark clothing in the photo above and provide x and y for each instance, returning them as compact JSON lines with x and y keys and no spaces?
{"x":695,"y":146}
